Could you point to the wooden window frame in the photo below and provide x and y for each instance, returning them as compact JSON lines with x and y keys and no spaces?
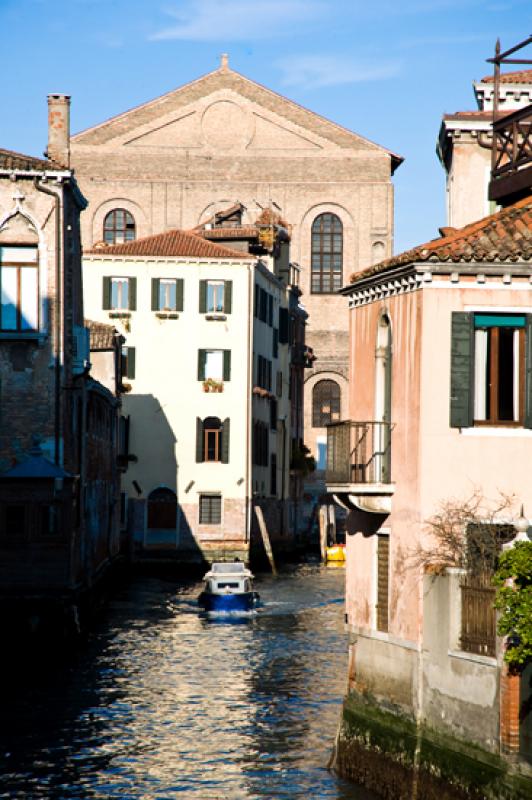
{"x":115,"y":232}
{"x":494,"y":378}
{"x":217,"y":434}
{"x":326,"y":279}
{"x":216,"y":285}
{"x":19,"y":266}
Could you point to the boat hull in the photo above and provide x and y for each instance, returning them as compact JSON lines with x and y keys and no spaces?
{"x":243,"y":601}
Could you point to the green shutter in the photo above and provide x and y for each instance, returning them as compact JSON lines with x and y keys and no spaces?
{"x":199,"y":441}
{"x":228,"y":296}
{"x":106,"y":303}
{"x":227,"y":365}
{"x":202,"y":358}
{"x":225,"y":441}
{"x":132,"y":294}
{"x":130,"y":362}
{"x":202,"y":297}
{"x":155,"y":294}
{"x":179,"y":294}
{"x":528,"y":372}
{"x":462,"y":364}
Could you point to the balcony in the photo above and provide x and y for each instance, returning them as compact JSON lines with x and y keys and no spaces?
{"x":358,"y":472}
{"x":511,"y":174}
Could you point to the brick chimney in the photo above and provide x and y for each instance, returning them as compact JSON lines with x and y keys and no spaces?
{"x":59,"y":128}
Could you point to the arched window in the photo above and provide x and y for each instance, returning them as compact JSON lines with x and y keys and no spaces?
{"x":212,"y":439}
{"x":325,"y":403}
{"x":162,"y":508}
{"x":118,"y":227}
{"x":327,"y":251}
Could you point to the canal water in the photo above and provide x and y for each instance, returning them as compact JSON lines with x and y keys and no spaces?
{"x":163,"y":702}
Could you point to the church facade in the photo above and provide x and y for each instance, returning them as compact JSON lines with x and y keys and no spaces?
{"x":176,"y":161}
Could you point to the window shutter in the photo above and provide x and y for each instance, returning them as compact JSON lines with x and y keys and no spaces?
{"x":528,"y":372}
{"x":283,"y":326}
{"x":202,"y":358}
{"x":179,"y":294}
{"x":256,"y":301}
{"x":275,"y":343}
{"x":130,"y":362}
{"x":199,"y":441}
{"x":132,"y":289}
{"x":106,"y":304}
{"x":270,"y":310}
{"x":202,"y":297}
{"x":461,"y":370}
{"x":155,"y":294}
{"x":225,"y":441}
{"x":227,"y":365}
{"x":228,"y":296}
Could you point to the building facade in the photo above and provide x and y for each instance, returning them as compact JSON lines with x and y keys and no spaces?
{"x":223,"y":139}
{"x":206,"y":375}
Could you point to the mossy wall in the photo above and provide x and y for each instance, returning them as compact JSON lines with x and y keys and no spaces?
{"x":390,"y":755}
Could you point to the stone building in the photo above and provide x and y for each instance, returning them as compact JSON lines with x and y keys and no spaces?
{"x":177,"y":160}
{"x":59,"y":482}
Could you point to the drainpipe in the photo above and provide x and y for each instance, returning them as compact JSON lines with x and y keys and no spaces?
{"x":57,"y":317}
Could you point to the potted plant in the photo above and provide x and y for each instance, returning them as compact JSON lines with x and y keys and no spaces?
{"x":212,"y":385}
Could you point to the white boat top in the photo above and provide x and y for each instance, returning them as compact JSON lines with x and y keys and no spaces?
{"x":228,"y":578}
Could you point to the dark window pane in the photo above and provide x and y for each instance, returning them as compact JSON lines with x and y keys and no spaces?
{"x":327,"y":252}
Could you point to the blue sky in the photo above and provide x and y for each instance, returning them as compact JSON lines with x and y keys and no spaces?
{"x":387,"y":69}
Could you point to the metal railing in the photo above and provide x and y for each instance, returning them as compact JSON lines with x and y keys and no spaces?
{"x":358,"y":452}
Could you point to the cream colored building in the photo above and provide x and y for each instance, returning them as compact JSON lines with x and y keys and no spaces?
{"x":176,"y":160}
{"x":464,"y":146}
{"x":206,"y":371}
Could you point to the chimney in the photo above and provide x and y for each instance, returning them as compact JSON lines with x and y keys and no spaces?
{"x":59,"y":128}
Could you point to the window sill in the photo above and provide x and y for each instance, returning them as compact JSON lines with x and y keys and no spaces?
{"x":166,"y":315}
{"x":487,"y":661}
{"x":216,"y":317}
{"x":119,"y":314}
{"x":23,"y":336}
{"x":496,"y":431}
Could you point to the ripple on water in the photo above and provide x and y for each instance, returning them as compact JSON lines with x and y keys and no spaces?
{"x":166,"y":702}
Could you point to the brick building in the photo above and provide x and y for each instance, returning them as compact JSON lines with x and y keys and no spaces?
{"x":177,"y":160}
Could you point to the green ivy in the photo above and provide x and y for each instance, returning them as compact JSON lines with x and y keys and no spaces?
{"x":513,"y":579}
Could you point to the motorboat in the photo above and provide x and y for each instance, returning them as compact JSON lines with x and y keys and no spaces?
{"x":228,"y":587}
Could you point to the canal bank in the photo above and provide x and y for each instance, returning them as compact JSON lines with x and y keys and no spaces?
{"x":163,"y":702}
{"x":400,"y":760}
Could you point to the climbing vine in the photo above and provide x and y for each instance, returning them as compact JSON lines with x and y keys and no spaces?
{"x":513,"y":579}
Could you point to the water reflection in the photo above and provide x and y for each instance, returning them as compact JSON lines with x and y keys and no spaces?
{"x":165,"y":702}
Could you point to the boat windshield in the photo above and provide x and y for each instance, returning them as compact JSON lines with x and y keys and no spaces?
{"x":227,"y":585}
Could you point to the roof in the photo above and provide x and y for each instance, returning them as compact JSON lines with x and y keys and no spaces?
{"x":519,"y":76}
{"x":172,"y":243}
{"x":226,"y":78}
{"x":11,"y":160}
{"x":503,"y":236}
{"x":36,"y":466}
{"x":238,"y":232}
{"x":102,"y":336}
{"x":465,"y":115}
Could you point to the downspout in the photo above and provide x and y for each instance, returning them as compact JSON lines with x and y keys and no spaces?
{"x":57,"y":319}
{"x":249,"y":400}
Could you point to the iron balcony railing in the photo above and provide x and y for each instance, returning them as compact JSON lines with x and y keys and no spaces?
{"x":358,"y":452}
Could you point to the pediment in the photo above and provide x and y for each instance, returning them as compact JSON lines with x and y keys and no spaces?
{"x":223,"y":111}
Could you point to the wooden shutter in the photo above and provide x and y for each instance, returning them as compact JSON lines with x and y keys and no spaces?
{"x":227,"y":365}
{"x":130,"y":362}
{"x":275,"y":343}
{"x":199,"y":441}
{"x":202,"y":297}
{"x":106,"y":303}
{"x":132,"y":293}
{"x":202,"y":358}
{"x":155,"y":294}
{"x":270,"y":310}
{"x":228,"y":296}
{"x":283,"y":326}
{"x":528,"y":372}
{"x":179,"y":294}
{"x":225,"y":440}
{"x":462,"y":364}
{"x":383,"y":562}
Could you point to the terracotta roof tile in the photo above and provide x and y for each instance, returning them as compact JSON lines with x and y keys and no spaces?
{"x":504,"y":236}
{"x":240,"y":232}
{"x":520,"y":76}
{"x":102,"y":336}
{"x":9,"y":159}
{"x":171,"y":243}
